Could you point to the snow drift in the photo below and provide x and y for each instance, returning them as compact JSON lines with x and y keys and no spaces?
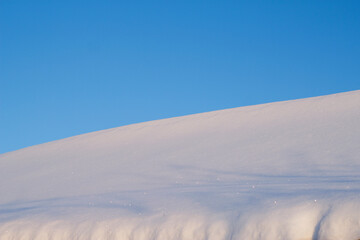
{"x":285,"y":170}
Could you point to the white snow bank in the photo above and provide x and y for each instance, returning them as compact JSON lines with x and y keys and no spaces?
{"x":287,"y":170}
{"x":307,"y":220}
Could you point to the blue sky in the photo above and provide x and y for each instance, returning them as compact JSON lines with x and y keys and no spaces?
{"x":72,"y":67}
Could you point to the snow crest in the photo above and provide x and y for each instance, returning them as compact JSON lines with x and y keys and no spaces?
{"x":286,"y":170}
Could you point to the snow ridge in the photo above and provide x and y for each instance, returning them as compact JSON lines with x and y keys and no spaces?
{"x":285,"y":170}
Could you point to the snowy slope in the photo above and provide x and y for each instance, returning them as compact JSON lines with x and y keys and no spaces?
{"x":285,"y":170}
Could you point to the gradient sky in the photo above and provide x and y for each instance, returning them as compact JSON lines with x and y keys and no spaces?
{"x":72,"y":67}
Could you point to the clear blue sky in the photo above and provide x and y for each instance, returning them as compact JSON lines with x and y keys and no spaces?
{"x":72,"y":67}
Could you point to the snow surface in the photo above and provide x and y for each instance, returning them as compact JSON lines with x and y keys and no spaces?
{"x":285,"y":170}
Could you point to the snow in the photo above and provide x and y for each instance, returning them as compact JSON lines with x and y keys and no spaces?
{"x":285,"y":170}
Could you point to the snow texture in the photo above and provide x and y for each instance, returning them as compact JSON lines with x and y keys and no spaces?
{"x":286,"y":170}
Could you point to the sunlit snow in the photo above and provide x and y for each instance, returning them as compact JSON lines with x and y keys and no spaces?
{"x":286,"y":170}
